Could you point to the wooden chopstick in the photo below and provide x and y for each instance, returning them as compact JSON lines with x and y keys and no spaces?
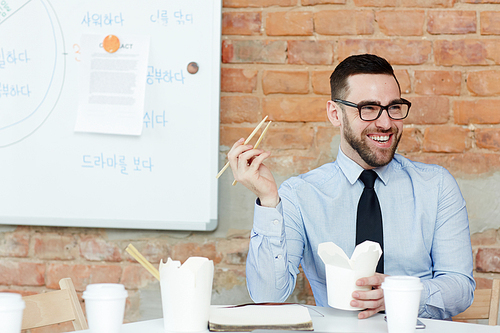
{"x":246,"y":141}
{"x":143,"y":261}
{"x":258,"y":142}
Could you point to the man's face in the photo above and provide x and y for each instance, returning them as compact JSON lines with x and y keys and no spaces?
{"x":371,"y":144}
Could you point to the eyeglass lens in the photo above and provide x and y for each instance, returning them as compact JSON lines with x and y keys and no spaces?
{"x":395,"y":111}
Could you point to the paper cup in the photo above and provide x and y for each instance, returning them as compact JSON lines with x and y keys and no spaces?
{"x":402,"y":300}
{"x":105,"y":306}
{"x":11,"y":312}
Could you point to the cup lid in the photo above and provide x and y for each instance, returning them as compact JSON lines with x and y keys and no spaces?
{"x":11,"y":301}
{"x":402,"y":282}
{"x":105,"y":291}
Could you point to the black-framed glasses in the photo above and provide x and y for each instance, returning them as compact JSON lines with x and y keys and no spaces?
{"x":368,"y":111}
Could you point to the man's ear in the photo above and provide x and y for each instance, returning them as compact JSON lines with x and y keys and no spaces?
{"x":334,"y":113}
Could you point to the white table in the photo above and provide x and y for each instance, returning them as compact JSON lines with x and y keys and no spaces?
{"x":333,"y":320}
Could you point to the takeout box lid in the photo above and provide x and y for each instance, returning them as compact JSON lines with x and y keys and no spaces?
{"x":366,"y":254}
{"x":194,"y":272}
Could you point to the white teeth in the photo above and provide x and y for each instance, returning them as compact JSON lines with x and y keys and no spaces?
{"x":380,"y":138}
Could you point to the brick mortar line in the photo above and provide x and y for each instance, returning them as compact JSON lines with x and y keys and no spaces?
{"x":340,"y":38}
{"x":318,"y":9}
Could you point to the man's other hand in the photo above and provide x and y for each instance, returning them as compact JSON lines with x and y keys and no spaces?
{"x":371,"y":300}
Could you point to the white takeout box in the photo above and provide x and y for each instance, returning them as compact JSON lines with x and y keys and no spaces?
{"x":186,"y":292}
{"x":342,"y":272}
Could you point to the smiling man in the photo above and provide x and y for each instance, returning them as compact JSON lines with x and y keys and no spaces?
{"x":418,"y":213}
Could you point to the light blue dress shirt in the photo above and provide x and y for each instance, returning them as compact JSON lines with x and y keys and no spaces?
{"x":426,"y":232}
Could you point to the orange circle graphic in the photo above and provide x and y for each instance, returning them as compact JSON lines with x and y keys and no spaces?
{"x":111,"y":43}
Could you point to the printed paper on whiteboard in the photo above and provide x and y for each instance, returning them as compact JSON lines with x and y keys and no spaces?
{"x":112,"y":85}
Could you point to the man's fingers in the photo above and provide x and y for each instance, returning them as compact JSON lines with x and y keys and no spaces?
{"x":371,"y":304}
{"x":374,"y":280}
{"x":371,"y":300}
{"x":367,"y":295}
{"x":235,"y":153}
{"x":258,"y":159}
{"x":371,"y":307}
{"x":246,"y":158}
{"x":237,"y":150}
{"x":369,"y":312}
{"x":237,"y":143}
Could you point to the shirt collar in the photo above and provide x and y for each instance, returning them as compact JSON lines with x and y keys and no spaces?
{"x":352,"y":170}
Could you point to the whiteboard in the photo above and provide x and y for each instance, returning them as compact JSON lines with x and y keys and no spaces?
{"x":161,"y":179}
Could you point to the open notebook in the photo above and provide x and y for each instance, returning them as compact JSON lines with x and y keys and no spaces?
{"x":250,"y":317}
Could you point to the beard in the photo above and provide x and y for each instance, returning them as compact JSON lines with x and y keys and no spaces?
{"x":369,"y":155}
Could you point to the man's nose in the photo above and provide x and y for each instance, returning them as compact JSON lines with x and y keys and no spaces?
{"x":384,"y":121}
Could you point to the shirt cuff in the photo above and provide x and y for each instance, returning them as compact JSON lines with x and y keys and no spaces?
{"x":268,"y":221}
{"x":431,"y":302}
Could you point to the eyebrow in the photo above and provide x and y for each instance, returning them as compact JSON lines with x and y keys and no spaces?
{"x":373,"y":102}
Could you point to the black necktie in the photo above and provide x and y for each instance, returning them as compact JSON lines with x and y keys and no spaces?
{"x":369,"y":218}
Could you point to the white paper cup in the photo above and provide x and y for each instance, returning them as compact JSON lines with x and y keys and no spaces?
{"x":105,"y":306}
{"x":11,"y":312}
{"x":402,"y":299}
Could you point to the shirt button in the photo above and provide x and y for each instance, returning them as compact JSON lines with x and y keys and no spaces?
{"x":276,"y":222}
{"x":279,"y":256}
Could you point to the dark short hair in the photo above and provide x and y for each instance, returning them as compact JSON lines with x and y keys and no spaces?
{"x":357,"y":64}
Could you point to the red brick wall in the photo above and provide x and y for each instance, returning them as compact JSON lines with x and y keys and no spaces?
{"x":277,"y":56}
{"x":486,"y":248}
